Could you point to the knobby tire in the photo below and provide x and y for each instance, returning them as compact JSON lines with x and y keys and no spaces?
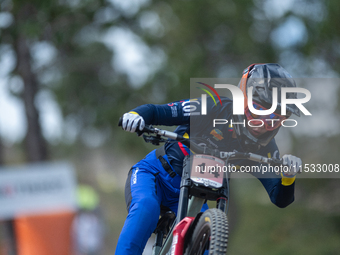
{"x":211,"y":233}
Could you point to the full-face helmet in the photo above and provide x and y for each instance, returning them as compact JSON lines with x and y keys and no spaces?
{"x":263,"y":78}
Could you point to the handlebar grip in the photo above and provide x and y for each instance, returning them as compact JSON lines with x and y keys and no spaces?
{"x":120,"y":122}
{"x":147,"y":128}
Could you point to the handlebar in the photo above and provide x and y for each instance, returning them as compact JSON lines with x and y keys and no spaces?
{"x":204,"y":150}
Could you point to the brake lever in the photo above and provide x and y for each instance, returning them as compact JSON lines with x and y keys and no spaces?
{"x":155,"y":140}
{"x":275,"y":161}
{"x":140,"y":132}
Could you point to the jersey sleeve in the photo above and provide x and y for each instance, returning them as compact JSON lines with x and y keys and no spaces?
{"x":175,"y":113}
{"x":276,"y":186}
{"x":279,"y":194}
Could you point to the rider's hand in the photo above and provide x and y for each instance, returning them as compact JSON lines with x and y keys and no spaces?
{"x":292,"y":165}
{"x":131,"y":121}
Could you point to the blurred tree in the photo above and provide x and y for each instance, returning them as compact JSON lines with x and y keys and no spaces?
{"x":31,"y":28}
{"x":203,"y":39}
{"x":18,"y":37}
{"x":190,"y":39}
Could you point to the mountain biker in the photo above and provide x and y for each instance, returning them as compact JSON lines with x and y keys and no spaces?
{"x":155,"y":180}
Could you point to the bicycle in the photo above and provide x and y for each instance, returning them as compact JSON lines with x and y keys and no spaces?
{"x":191,"y":231}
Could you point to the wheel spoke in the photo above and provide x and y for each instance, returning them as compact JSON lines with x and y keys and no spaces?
{"x":203,"y":243}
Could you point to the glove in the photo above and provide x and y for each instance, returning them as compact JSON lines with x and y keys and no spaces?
{"x":292,"y":165}
{"x":131,"y":121}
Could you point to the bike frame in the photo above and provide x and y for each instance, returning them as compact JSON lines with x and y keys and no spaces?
{"x":190,"y":207}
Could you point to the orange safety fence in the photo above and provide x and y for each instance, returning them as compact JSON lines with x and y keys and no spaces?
{"x":48,"y":234}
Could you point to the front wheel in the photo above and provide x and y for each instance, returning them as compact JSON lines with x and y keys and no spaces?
{"x":210,"y":234}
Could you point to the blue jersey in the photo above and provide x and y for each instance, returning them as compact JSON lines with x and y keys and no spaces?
{"x":186,"y":114}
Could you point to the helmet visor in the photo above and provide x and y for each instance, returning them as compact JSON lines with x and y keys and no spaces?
{"x":270,"y":121}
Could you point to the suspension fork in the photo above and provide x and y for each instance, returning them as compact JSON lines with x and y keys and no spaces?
{"x":184,"y":190}
{"x":223,"y":200}
{"x":222,"y":204}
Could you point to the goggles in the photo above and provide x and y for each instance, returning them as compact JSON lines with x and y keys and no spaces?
{"x":270,"y":121}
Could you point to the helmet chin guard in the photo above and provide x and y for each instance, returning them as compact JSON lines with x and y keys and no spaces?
{"x":248,"y":142}
{"x":264,"y":77}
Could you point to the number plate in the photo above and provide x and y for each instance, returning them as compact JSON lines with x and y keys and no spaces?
{"x":207,"y":170}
